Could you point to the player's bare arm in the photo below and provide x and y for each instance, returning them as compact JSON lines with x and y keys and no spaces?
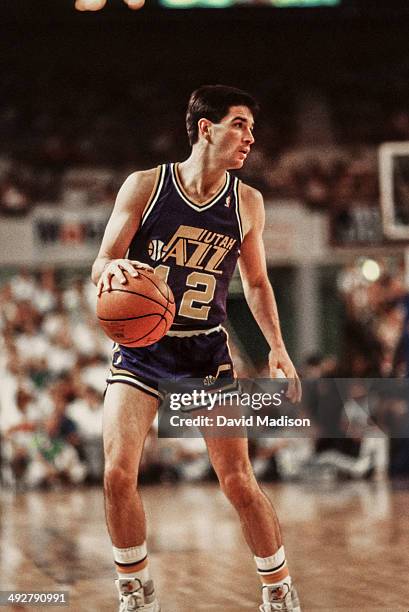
{"x":257,"y":288}
{"x":124,"y":222}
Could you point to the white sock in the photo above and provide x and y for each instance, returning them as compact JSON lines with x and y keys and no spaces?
{"x":132,"y":563}
{"x":273,"y":572}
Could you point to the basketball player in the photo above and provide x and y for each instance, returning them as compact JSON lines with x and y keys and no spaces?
{"x":192,"y":221}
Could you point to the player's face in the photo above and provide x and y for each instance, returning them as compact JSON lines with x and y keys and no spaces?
{"x":233,"y":136}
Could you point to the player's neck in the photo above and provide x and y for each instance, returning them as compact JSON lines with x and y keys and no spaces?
{"x":201,"y":178}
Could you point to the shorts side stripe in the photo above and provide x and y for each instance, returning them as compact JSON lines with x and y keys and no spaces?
{"x":129,"y":379}
{"x":229,"y":351}
{"x":193,"y":332}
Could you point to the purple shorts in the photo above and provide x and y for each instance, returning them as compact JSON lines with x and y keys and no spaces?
{"x":205,"y":357}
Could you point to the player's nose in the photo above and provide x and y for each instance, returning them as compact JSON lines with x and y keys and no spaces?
{"x":249,"y":138}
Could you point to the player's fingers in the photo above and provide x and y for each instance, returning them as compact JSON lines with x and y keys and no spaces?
{"x":287,"y":371}
{"x":294,"y":390}
{"x":127,"y":265}
{"x":119,"y":275}
{"x":298,"y":389}
{"x":143,"y":266}
{"x":291,"y":391}
{"x":103,"y":284}
{"x":108,"y":281}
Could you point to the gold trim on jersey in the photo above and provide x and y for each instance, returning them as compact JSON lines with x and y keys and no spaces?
{"x":204,"y":205}
{"x":153,"y":198}
{"x":237,"y":204}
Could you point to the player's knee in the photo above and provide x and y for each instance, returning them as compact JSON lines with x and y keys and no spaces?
{"x":118,"y":480}
{"x":239,"y":486}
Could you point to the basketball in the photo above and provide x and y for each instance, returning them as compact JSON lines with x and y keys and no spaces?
{"x":137,"y":313}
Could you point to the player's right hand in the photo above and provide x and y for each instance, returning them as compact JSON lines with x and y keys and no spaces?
{"x":116,"y":268}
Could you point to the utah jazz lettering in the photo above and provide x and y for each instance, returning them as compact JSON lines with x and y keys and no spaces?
{"x":198,"y":248}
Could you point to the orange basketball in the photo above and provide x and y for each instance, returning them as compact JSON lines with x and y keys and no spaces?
{"x":137,"y":313}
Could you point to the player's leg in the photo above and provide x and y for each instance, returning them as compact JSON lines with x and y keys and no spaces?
{"x":128,"y":416}
{"x":230,"y":460}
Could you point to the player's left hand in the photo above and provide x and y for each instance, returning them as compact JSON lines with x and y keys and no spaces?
{"x":279,"y":364}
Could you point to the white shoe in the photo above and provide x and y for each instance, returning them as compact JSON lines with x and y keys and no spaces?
{"x":274,"y":599}
{"x":135,"y":596}
{"x":295,"y":600}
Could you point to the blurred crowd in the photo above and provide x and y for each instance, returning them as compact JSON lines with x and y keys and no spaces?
{"x":53,"y":365}
{"x":53,"y":368}
{"x":321,"y":151}
{"x":324,"y":178}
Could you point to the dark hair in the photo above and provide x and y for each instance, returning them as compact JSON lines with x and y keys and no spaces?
{"x":213,"y":102}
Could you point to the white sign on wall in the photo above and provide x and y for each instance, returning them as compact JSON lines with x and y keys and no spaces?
{"x":68,"y":235}
{"x":294,"y":234}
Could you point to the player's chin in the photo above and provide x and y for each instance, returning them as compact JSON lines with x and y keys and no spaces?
{"x":236,"y":164}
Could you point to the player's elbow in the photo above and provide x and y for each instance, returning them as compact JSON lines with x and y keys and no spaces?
{"x":256,"y":283}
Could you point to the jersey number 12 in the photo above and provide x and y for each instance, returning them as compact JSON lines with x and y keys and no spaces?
{"x":200,"y":297}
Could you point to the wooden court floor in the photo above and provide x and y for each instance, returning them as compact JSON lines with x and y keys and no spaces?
{"x":347,"y":546}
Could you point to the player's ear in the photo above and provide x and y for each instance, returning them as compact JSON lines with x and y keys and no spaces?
{"x":205,"y":128}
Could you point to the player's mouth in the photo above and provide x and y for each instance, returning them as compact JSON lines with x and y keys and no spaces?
{"x":244,"y":152}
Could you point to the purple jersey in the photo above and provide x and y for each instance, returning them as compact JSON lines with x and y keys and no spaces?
{"x":193,"y":247}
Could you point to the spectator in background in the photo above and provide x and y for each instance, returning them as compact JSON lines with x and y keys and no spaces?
{"x":401,"y":355}
{"x":46,"y":292}
{"x":363,"y":449}
{"x":57,"y":355}
{"x":17,"y":430}
{"x":23,"y":285}
{"x":55,"y":459}
{"x":14,"y":201}
{"x":86,"y":412}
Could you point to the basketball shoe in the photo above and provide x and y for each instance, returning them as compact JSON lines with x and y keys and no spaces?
{"x":135,"y":597}
{"x":283,"y":599}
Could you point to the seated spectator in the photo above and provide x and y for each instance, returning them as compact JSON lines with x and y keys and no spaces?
{"x":18,"y":437}
{"x":86,"y":413}
{"x":54,"y":459}
{"x":363,"y":451}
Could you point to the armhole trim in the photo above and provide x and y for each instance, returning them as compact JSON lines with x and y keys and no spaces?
{"x":237,"y":204}
{"x":157,"y":188}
